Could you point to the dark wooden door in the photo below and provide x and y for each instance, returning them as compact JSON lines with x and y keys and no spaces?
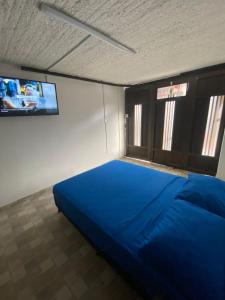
{"x":198,"y":161}
{"x":137,"y":100}
{"x":177,"y":156}
{"x":190,"y":118}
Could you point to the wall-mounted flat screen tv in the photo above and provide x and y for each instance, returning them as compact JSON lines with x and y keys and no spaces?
{"x":24,"y":97}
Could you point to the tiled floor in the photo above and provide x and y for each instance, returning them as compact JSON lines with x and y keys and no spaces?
{"x":43,"y":256}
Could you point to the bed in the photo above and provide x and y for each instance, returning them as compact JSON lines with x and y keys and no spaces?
{"x":117,"y":206}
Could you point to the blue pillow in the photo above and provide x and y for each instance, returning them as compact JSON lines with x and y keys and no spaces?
{"x":187,"y":248}
{"x":205,"y":191}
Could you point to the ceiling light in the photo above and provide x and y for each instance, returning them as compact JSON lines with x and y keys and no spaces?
{"x":52,"y":12}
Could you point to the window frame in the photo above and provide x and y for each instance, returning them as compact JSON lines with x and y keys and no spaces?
{"x":216,"y":150}
{"x":172,"y":84}
{"x":171,"y":130}
{"x":166,"y":83}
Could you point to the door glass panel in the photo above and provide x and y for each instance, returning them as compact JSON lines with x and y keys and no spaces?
{"x":137,"y":124}
{"x":213,"y":125}
{"x":168,"y":125}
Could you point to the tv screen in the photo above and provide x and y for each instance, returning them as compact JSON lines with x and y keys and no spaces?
{"x":23,"y":97}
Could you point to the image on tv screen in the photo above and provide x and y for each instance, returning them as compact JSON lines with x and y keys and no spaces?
{"x":27,"y":97}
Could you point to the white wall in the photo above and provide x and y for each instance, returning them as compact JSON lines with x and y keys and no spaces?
{"x":221,"y":166}
{"x":38,"y":151}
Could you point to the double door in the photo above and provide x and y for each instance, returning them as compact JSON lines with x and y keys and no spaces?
{"x":185,"y":130}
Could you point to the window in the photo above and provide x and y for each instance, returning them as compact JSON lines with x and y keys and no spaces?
{"x":213,"y":125}
{"x":168,"y":125}
{"x":137,"y":124}
{"x":172,"y":91}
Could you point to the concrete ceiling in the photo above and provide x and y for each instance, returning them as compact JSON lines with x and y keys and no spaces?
{"x":169,"y":36}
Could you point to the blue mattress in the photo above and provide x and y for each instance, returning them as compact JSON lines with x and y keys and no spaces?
{"x":115,"y":206}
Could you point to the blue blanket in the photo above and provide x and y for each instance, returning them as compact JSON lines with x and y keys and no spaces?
{"x":187,"y":248}
{"x":113,"y":205}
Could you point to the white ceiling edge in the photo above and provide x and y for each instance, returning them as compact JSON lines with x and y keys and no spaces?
{"x":12,"y":69}
{"x":170,"y":75}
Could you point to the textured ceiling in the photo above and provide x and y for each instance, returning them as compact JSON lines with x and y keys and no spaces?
{"x":169,"y":36}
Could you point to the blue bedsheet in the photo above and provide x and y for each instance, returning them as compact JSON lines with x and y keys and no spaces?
{"x":187,"y":247}
{"x":113,"y":205}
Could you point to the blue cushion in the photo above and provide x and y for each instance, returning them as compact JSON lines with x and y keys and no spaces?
{"x":205,"y":191}
{"x":187,"y":247}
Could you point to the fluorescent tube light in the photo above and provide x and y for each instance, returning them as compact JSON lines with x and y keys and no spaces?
{"x":52,"y":12}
